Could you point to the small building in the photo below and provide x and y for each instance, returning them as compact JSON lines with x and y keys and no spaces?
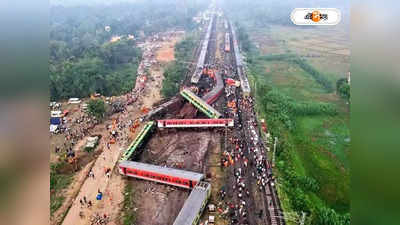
{"x":91,"y":143}
{"x":84,"y":107}
{"x":74,"y":101}
{"x":56,"y":114}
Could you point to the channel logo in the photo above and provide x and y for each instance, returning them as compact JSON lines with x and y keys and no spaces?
{"x":318,"y":16}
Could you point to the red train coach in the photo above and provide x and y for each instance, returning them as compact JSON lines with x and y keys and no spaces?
{"x":176,"y":123}
{"x":165,"y":175}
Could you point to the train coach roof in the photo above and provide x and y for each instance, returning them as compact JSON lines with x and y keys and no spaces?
{"x":193,"y":204}
{"x":162,"y":170}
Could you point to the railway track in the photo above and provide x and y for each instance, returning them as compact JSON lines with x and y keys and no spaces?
{"x":250,"y":192}
{"x":270,"y":203}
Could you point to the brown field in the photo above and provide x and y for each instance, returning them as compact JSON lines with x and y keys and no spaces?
{"x":333,"y":45}
{"x":325,"y":48}
{"x":345,"y":52}
{"x":318,"y":48}
{"x":166,"y":52}
{"x":299,"y":44}
{"x":313,"y":41}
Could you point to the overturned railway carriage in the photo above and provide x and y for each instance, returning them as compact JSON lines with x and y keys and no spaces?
{"x":194,"y":205}
{"x":165,"y":175}
{"x":203,"y":52}
{"x":214,"y":94}
{"x":244,"y":82}
{"x":161,"y":109}
{"x":200,"y":104}
{"x":182,"y":123}
{"x":132,"y":149}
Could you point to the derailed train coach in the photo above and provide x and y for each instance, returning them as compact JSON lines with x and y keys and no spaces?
{"x":194,"y":205}
{"x":159,"y":174}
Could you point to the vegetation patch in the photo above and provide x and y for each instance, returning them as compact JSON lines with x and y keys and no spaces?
{"x":343,"y":88}
{"x":109,"y":69}
{"x":58,"y":182}
{"x":129,"y":214}
{"x":302,"y":63}
{"x":97,"y":108}
{"x":313,"y":136}
{"x":175,"y":72}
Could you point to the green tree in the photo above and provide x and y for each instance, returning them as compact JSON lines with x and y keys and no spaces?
{"x":96,"y":107}
{"x":119,"y":52}
{"x":343,"y":88}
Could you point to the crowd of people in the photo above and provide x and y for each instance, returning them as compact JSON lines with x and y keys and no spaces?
{"x":244,"y":154}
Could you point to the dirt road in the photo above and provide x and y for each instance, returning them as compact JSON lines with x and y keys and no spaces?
{"x":89,"y":190}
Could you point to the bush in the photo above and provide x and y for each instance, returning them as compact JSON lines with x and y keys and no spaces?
{"x":328,"y":216}
{"x":281,"y":107}
{"x":313,"y":108}
{"x":343,"y":88}
{"x":97,"y":108}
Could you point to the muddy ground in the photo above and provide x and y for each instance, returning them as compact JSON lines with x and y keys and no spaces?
{"x":159,"y":204}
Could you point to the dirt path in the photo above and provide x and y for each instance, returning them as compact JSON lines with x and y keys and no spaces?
{"x":107,"y":159}
{"x":71,"y":193}
{"x":152,"y":93}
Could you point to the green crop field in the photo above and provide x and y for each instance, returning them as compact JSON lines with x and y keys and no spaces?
{"x":295,"y":92}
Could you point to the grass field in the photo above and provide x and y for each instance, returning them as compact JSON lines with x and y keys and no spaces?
{"x":327,"y":49}
{"x":318,"y":145}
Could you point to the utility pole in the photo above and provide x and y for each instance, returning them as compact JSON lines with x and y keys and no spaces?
{"x":273,"y":154}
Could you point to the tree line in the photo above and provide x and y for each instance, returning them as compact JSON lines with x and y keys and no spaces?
{"x":82,"y":59}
